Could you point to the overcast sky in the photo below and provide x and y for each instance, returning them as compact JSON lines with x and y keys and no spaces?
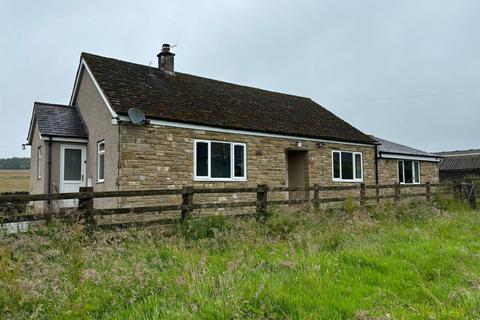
{"x":408,"y":71}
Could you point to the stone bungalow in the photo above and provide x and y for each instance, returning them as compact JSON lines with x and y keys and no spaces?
{"x":199,"y":132}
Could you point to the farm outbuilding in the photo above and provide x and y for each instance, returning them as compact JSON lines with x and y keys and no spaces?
{"x":458,"y":165}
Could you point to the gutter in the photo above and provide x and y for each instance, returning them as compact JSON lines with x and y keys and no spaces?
{"x":391,"y":155}
{"x":185,"y":125}
{"x":49,"y":188}
{"x":376,"y":164}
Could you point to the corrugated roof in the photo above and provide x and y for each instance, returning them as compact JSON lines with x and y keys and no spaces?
{"x":460,"y":160}
{"x":467,"y":162}
{"x":196,"y":100}
{"x":59,"y":120}
{"x":396,"y":148}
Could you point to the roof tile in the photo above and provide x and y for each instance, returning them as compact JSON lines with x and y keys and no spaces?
{"x":59,"y":120}
{"x":196,"y":100}
{"x":396,"y":148}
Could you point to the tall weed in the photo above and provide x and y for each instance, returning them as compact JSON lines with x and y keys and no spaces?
{"x":350,"y":206}
{"x":10,"y":293}
{"x":203,"y":228}
{"x":74,"y":266}
{"x":281,"y":224}
{"x":447,"y":203}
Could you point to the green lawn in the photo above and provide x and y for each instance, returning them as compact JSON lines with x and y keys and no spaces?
{"x":415,"y":262}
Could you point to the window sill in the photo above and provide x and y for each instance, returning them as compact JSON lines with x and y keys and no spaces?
{"x":219,"y":180}
{"x":348,"y":181}
{"x":100,"y":182}
{"x":409,"y":184}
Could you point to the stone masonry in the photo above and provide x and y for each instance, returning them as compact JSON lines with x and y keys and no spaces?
{"x":162,"y":157}
{"x":388,"y":171}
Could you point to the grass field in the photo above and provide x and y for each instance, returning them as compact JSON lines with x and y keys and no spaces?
{"x":413,"y":262}
{"x":14,"y":180}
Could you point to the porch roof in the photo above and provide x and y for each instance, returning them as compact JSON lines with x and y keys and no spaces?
{"x":56,"y":120}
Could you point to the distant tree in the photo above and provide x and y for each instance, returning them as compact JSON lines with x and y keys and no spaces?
{"x":15,"y":164}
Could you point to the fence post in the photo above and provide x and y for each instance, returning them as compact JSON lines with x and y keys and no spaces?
{"x":85,"y":206}
{"x":428,"y":189}
{"x":187,"y":203}
{"x":397,"y":193}
{"x":262,"y":190}
{"x":316,"y":196}
{"x":362,"y":194}
{"x":472,"y":199}
{"x":377,"y":192}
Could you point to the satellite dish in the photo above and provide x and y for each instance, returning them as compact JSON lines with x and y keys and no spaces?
{"x":136,"y":116}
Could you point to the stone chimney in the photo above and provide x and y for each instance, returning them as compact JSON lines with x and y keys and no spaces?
{"x":165,"y":59}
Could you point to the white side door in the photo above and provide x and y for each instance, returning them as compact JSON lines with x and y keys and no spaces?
{"x":72,"y":171}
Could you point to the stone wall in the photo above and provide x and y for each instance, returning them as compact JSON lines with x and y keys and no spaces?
{"x":162,"y":157}
{"x":388,"y":171}
{"x":429,"y":172}
{"x":388,"y":174}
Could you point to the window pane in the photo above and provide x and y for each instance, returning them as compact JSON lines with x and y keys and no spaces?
{"x":101,"y":146}
{"x":400,"y":172}
{"x":417,"y":171}
{"x":39,"y":159}
{"x":202,"y":159}
{"x":220,"y":160}
{"x":73,"y":164}
{"x":408,"y":171}
{"x":239,"y":156}
{"x":358,"y":166}
{"x":336,"y":165}
{"x":101,"y":167}
{"x":347,"y":165}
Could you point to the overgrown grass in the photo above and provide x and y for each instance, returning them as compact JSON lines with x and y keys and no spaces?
{"x":411,"y":262}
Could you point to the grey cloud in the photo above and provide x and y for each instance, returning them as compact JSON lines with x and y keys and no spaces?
{"x":331,"y":51}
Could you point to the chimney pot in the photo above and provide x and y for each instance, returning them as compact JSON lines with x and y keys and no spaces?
{"x":165,"y":59}
{"x":165,"y":47}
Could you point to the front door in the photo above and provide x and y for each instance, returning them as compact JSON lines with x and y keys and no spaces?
{"x":72,"y":171}
{"x":297,"y":173}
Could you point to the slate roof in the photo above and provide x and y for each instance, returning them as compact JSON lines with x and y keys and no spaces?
{"x":460,"y":160}
{"x":57,"y":120}
{"x":396,"y":148}
{"x":191,"y":99}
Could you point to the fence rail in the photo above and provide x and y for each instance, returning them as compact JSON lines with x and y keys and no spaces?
{"x":88,"y":213}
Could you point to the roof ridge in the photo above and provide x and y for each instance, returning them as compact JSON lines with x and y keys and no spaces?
{"x":461,"y":150}
{"x":461,"y":155}
{"x":202,"y":77}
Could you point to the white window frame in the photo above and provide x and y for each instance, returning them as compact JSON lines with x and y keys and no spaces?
{"x":99,"y":153}
{"x":232,"y":161}
{"x":413,"y":172}
{"x":39,"y":160}
{"x":354,"y":166}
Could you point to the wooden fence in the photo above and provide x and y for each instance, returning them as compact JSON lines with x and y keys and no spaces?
{"x":87,"y":212}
